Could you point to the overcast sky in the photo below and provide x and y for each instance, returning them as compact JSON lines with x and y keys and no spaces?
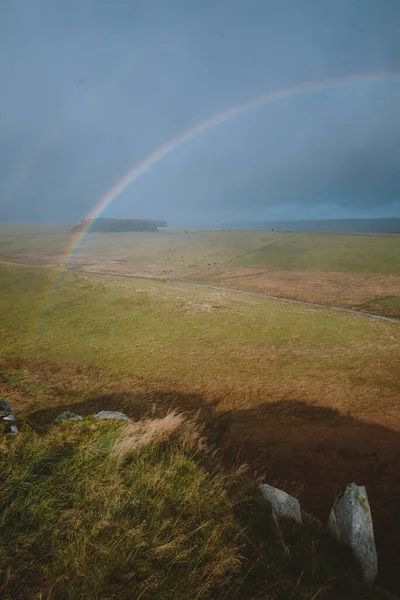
{"x":89,"y":87}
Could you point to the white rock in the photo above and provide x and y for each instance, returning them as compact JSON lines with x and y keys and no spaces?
{"x":350,"y":522}
{"x":285,"y":506}
{"x":110,"y":414}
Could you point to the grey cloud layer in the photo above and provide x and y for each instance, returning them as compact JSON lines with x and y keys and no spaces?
{"x":89,"y":87}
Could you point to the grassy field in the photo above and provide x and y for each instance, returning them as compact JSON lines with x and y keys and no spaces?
{"x":337,"y":270}
{"x":307,"y":396}
{"x":328,"y":252}
{"x":181,"y":335}
{"x":372,"y":254}
{"x":390,"y":301}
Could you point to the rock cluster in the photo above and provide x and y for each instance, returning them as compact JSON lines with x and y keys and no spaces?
{"x":350,"y":523}
{"x":103,"y":414}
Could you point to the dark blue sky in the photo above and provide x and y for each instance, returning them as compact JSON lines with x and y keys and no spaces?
{"x":89,"y":87}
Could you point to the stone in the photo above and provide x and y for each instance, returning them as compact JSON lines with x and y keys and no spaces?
{"x":284,"y":505}
{"x":8,"y":417}
{"x":110,"y":414}
{"x":6,"y":409}
{"x":279,"y":536}
{"x":68,"y":416}
{"x":350,"y":523}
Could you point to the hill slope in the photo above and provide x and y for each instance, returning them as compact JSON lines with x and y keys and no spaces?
{"x":132,"y":510}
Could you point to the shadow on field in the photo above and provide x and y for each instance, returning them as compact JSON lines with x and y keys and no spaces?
{"x":311,"y":451}
{"x":315,"y":451}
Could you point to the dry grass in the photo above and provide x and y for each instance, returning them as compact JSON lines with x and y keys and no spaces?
{"x":158,"y":431}
{"x":112,"y":510}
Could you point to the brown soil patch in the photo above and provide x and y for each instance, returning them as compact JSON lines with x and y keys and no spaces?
{"x":334,"y":289}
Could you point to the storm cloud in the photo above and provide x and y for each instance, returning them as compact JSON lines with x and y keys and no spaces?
{"x":89,"y":87}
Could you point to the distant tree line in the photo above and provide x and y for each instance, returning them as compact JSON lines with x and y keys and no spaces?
{"x":102,"y":225}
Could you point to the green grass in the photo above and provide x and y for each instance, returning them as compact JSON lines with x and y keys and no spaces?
{"x":17,"y":240}
{"x":123,"y":324}
{"x":395,"y":301}
{"x":173,"y":249}
{"x":171,"y":246}
{"x":176,"y":336}
{"x":110,"y":510}
{"x":329,"y":252}
{"x":84,"y":518}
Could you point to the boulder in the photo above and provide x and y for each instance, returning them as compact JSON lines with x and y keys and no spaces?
{"x":350,"y":522}
{"x":68,"y":416}
{"x":284,"y":505}
{"x":111,"y":414}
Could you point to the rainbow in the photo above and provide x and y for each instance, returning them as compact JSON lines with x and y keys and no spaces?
{"x":216,"y":119}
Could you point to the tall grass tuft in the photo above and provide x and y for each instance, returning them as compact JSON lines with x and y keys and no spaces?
{"x":101,"y":510}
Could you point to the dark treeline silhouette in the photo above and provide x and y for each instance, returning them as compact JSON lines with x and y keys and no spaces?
{"x":102,"y":225}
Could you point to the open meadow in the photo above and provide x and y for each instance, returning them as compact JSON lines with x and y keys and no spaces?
{"x":353,"y":271}
{"x":305,"y":395}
